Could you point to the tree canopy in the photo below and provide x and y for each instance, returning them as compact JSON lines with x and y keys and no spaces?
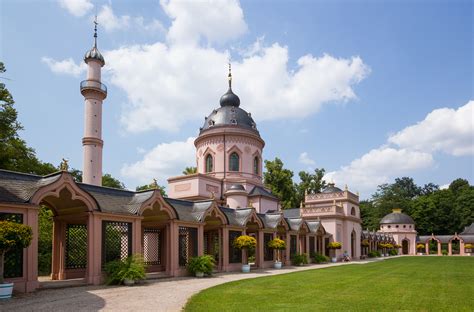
{"x":189,"y":170}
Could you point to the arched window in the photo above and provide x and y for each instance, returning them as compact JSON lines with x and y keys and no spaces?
{"x":353,"y":211}
{"x":256,"y":165}
{"x":209,"y":164}
{"x":234,"y":162}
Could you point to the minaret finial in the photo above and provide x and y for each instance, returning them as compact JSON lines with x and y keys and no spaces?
{"x":95,"y":32}
{"x":230,"y":75}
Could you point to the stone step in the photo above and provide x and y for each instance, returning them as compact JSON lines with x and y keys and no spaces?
{"x":50,"y":284}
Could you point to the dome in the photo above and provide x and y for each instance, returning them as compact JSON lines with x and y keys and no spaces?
{"x":331,"y":188}
{"x":94,"y":54}
{"x":229,"y":116}
{"x":236,"y":187}
{"x":230,"y":99}
{"x":397,"y":217}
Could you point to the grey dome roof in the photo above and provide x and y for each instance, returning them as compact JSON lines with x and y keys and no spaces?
{"x":331,"y":188}
{"x":397,"y":218}
{"x":236,"y":187}
{"x":230,"y":99}
{"x":229,"y":116}
{"x":94,"y":54}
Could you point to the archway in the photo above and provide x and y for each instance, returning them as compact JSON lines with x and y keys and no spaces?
{"x":405,"y":246}
{"x":433,"y":246}
{"x":213,"y":241}
{"x":253,"y":227}
{"x":455,"y":246}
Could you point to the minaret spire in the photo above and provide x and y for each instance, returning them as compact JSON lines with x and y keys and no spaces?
{"x":230,"y":75}
{"x":95,"y":32}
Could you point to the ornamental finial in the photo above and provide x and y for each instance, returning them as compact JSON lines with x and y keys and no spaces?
{"x":229,"y":76}
{"x":95,"y":32}
{"x":154,"y":184}
{"x":64,"y":166}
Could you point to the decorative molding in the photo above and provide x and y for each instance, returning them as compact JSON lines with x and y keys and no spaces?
{"x":182,"y":187}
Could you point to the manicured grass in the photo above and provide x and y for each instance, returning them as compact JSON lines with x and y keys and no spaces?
{"x":406,"y":283}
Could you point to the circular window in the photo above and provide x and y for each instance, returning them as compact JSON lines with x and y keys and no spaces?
{"x":389,"y":226}
{"x":404,"y":226}
{"x":396,"y":226}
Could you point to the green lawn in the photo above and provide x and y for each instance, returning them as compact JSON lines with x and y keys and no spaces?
{"x":406,"y":283}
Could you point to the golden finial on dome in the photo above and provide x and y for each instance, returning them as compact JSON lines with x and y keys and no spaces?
{"x":154,"y":184}
{"x":64,"y":166}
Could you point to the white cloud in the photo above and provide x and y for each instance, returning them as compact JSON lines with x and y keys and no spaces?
{"x":379,"y":166}
{"x":444,"y":187}
{"x":306,"y":160}
{"x":153,"y":26}
{"x":77,"y":8}
{"x":66,"y":67}
{"x":163,"y":161}
{"x":445,"y":129}
{"x":110,"y":21}
{"x":217,"y":21}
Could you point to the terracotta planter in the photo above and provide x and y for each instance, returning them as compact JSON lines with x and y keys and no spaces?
{"x":6,"y":290}
{"x":199,"y":274}
{"x":277,"y":265}
{"x":245,"y":268}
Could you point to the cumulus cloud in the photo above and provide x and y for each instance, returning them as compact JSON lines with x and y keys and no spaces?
{"x":110,"y":21}
{"x":443,"y":130}
{"x":216,"y":21}
{"x":77,"y":8}
{"x":306,"y":160}
{"x":161,"y":162}
{"x":448,"y":130}
{"x":65,"y":67}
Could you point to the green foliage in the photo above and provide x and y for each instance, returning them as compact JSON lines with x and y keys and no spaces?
{"x":334,"y":245}
{"x":393,"y":252}
{"x":299,"y":259}
{"x":319,"y":258}
{"x":310,"y":182}
{"x":204,"y":264}
{"x":277,"y":244}
{"x":132,"y":268}
{"x":444,"y":252}
{"x":150,"y":187}
{"x":280,"y":182}
{"x":245,"y":242}
{"x":13,"y":236}
{"x":373,"y":254}
{"x":189,"y":170}
{"x":45,"y":240}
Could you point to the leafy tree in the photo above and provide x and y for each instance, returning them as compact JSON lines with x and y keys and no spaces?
{"x":107,"y":179}
{"x":152,"y":186}
{"x":310,"y":182}
{"x":14,"y":153}
{"x":189,"y":170}
{"x":458,"y":185}
{"x":369,"y":215}
{"x":280,"y":182}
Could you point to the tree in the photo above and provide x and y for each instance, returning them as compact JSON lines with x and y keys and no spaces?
{"x":280,"y":182}
{"x":15,"y":155}
{"x":311,"y":183}
{"x":151,"y":187}
{"x":189,"y":170}
{"x":107,"y":179}
{"x":458,"y":185}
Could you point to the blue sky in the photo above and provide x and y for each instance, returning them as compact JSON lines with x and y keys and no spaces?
{"x":367,"y":90}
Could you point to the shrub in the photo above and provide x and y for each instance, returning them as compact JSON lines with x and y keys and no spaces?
{"x":378,"y":253}
{"x":444,"y":252}
{"x":13,"y":236}
{"x":204,"y":264}
{"x":334,"y":245}
{"x":318,"y":258}
{"x":420,"y":246}
{"x":469,"y":246}
{"x":245,"y":242}
{"x":372,"y":254}
{"x":300,"y":259}
{"x":131,"y":268}
{"x":277,"y":244}
{"x":393,"y":252}
{"x":365,"y":243}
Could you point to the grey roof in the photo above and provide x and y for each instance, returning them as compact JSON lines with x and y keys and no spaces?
{"x":291,"y":213}
{"x":468,"y":230}
{"x":314,"y":226}
{"x":229,"y":116}
{"x":467,"y":238}
{"x":16,"y":187}
{"x":236,"y":187}
{"x":294,"y":223}
{"x":331,"y":188}
{"x":270,"y":220}
{"x":94,"y":54}
{"x":189,"y":210}
{"x":237,"y":217}
{"x":397,"y":218}
{"x":261,"y":191}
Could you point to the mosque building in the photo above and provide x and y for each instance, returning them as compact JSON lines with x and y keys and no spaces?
{"x":203,"y":214}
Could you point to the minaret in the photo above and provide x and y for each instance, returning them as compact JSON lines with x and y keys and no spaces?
{"x":94,"y":93}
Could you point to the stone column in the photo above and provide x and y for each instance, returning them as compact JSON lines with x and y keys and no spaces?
{"x":450,"y":248}
{"x":439,"y":249}
{"x":225,"y":248}
{"x":30,"y":266}
{"x":260,"y":249}
{"x":200,"y":234}
{"x":427,"y":247}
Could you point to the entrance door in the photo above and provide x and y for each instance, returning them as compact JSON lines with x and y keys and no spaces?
{"x":405,"y":246}
{"x":212,"y":245}
{"x":152,"y":249}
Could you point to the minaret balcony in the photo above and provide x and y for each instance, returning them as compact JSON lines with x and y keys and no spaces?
{"x":93,"y":85}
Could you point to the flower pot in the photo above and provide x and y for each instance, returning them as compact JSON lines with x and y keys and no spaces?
{"x":386,"y":255}
{"x":245,"y":268}
{"x":199,"y":274}
{"x":277,"y":265}
{"x":128,"y":282}
{"x":334,"y":259}
{"x":6,"y":290}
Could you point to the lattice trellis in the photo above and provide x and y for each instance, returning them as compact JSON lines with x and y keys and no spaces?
{"x":14,"y":258}
{"x":311,"y":245}
{"x":152,"y":239}
{"x":116,"y":240}
{"x":235,"y":255}
{"x":187,"y":244}
{"x":212,"y":244}
{"x":293,"y":243}
{"x":267,"y":251}
{"x":76,"y":246}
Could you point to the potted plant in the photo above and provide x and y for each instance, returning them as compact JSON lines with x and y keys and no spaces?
{"x":201,"y":265}
{"x":278,"y":245}
{"x":12,"y":236}
{"x":420,"y":248}
{"x":300,"y":259}
{"x":127,"y":271}
{"x":388,"y":249}
{"x":333,"y":246}
{"x":245,"y":243}
{"x":468,"y":249}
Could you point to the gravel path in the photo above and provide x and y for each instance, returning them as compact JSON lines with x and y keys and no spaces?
{"x":169,"y":294}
